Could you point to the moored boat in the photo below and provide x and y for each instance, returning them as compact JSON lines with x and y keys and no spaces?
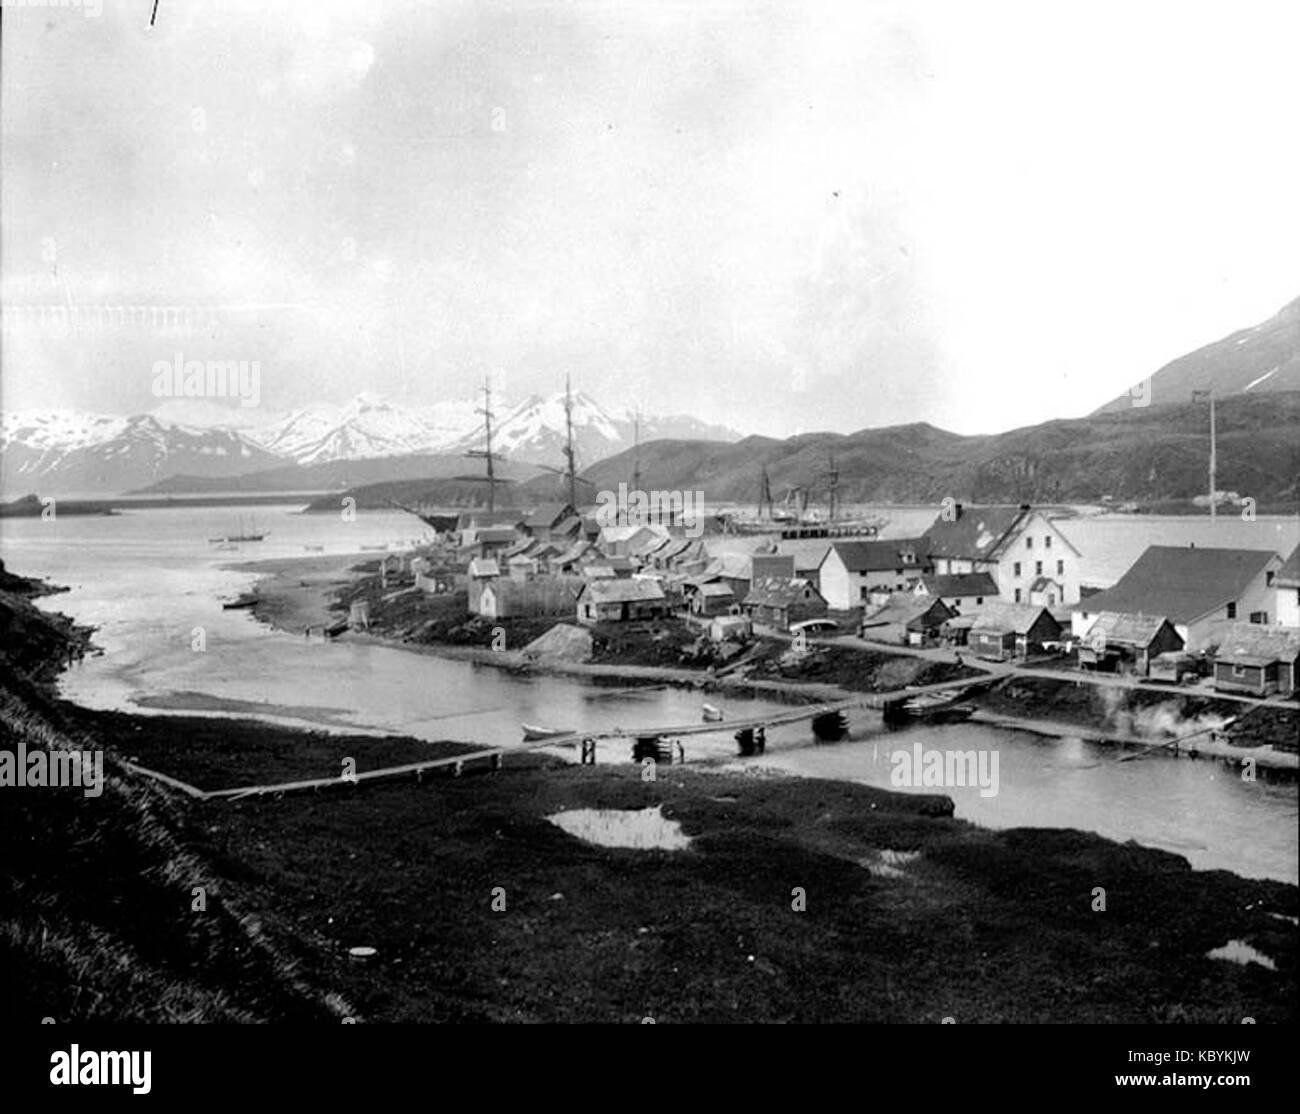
{"x":712,"y":714}
{"x":932,"y":707}
{"x":533,"y":732}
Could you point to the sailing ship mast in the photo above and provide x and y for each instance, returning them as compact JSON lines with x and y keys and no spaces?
{"x":834,"y":476}
{"x":570,"y":469}
{"x":487,"y":454}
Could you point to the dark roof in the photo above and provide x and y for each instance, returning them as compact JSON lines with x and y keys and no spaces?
{"x":878,"y":556}
{"x":779,"y":591}
{"x":1251,"y":644}
{"x":494,"y":534}
{"x":1016,"y":617}
{"x":1126,"y":630}
{"x":1289,"y":573}
{"x":1181,"y":582}
{"x":619,"y":564}
{"x":490,"y":518}
{"x":963,"y":585}
{"x":976,"y":532}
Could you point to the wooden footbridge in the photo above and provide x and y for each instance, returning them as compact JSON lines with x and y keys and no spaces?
{"x":494,"y":757}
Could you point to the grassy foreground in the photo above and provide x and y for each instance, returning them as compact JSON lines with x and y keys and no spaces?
{"x":910,"y":915}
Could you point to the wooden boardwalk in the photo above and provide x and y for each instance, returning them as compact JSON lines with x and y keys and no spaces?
{"x":496,"y":755}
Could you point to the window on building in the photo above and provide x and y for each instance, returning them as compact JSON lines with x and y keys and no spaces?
{"x":979,"y":601}
{"x":1232,"y":611}
{"x":1060,"y":568}
{"x":1051,"y":599}
{"x":1017,"y":595}
{"x":1238,"y":670}
{"x":862,"y":593}
{"x":1038,"y":568}
{"x":1268,"y":579}
{"x":1029,"y":543}
{"x":1259,"y":617}
{"x":1015,"y":570}
{"x":1047,"y":542}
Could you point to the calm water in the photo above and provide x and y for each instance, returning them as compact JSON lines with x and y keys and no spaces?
{"x":148,"y":578}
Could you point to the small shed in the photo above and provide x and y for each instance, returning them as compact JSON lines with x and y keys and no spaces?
{"x":1258,"y":660}
{"x":1127,"y":643}
{"x":614,"y":601}
{"x":715,"y":598}
{"x":908,"y":619}
{"x":778,"y":601}
{"x":1003,"y":631}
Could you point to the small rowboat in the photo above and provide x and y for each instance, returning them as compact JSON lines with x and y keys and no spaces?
{"x":932,"y":707}
{"x":712,"y":714}
{"x":239,"y":603}
{"x":532,"y":732}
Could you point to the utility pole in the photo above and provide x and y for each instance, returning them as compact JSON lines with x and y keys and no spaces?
{"x":570,"y":469}
{"x":1200,"y":396}
{"x":636,"y":450}
{"x":834,"y":476}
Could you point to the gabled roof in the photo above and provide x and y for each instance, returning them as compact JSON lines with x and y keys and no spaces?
{"x":977,"y":533}
{"x":734,"y":566}
{"x":1017,"y":618}
{"x":484,"y":566}
{"x":878,"y":556}
{"x":1251,"y":644}
{"x":908,"y":609}
{"x":647,"y":547}
{"x":573,"y":553}
{"x":494,"y":534}
{"x":547,"y":515}
{"x":1183,"y":583}
{"x":623,"y":591}
{"x":966,"y":585}
{"x":1289,"y":574}
{"x":490,"y":518}
{"x":1042,"y":582}
{"x":779,"y":591}
{"x":673,"y":548}
{"x":615,"y":564}
{"x":716,"y":590}
{"x":1126,"y":630}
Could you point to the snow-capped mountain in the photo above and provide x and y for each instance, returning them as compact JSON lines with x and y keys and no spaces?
{"x":534,"y":431}
{"x":54,"y":453}
{"x":65,"y":451}
{"x":368,"y":426}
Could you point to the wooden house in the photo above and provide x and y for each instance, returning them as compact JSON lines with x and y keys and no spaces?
{"x":1258,"y":660}
{"x":1004,"y":631}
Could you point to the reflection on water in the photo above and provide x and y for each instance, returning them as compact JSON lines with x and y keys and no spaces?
{"x":148,"y":580}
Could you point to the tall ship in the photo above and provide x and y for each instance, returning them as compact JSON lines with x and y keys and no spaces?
{"x":793,"y":519}
{"x":247,"y":532}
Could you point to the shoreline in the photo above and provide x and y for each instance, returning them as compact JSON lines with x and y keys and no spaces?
{"x":592,"y":932}
{"x":283,"y":605}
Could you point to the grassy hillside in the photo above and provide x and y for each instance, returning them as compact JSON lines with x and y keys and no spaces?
{"x":1140,"y":454}
{"x":97,"y":893}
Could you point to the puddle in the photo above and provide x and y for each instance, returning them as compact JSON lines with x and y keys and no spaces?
{"x":1240,"y":952}
{"x":643,"y":829}
{"x":887,"y":863}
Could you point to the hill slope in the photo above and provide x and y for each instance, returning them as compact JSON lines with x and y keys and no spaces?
{"x":1264,"y":358}
{"x":1142,"y":454}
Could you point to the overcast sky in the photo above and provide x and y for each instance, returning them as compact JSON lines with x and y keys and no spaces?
{"x":783,"y":217}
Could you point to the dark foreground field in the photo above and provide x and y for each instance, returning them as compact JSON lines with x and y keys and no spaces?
{"x":143,"y":904}
{"x":979,"y":926}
